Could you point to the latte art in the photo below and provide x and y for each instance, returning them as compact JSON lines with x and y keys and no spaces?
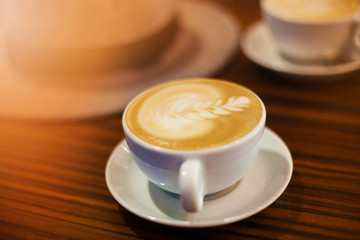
{"x":185,"y":111}
{"x":193,"y":114}
{"x":176,"y":115}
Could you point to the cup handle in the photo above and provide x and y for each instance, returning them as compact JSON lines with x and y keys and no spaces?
{"x":192,"y":184}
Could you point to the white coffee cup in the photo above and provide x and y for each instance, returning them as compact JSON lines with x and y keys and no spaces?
{"x":195,"y":173}
{"x":85,"y":37}
{"x":310,"y":40}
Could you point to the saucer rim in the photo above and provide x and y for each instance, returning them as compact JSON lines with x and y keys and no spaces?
{"x":201,"y":224}
{"x":304,"y":71}
{"x":94,"y":102}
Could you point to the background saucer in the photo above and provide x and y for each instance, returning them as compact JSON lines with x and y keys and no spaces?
{"x":257,"y":44}
{"x":263,"y":184}
{"x":207,"y":40}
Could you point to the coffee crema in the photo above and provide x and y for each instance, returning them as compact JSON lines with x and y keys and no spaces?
{"x":311,"y":10}
{"x":193,"y":114}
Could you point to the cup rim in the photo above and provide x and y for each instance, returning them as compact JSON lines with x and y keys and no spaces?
{"x":258,"y":127}
{"x":355,"y":15}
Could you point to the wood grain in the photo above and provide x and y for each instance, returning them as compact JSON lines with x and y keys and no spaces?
{"x":52,"y":183}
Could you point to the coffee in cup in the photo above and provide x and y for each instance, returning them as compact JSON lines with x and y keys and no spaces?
{"x":311,"y":31}
{"x":311,"y":10}
{"x":195,"y":137}
{"x":193,"y":114}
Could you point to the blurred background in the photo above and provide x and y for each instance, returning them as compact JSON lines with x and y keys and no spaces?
{"x":67,"y":70}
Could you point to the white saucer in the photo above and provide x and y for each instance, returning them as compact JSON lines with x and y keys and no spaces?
{"x":263,"y":184}
{"x":257,"y":44}
{"x":207,"y":40}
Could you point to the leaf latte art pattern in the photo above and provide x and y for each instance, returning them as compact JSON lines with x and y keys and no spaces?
{"x":184,"y":111}
{"x":194,"y":114}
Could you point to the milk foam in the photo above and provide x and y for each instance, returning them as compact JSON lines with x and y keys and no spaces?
{"x":193,"y":114}
{"x":187,"y":115}
{"x":177,"y":113}
{"x":311,"y":10}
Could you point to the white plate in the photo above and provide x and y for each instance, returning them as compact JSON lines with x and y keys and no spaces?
{"x":257,"y":44}
{"x":264,"y":183}
{"x":207,"y":40}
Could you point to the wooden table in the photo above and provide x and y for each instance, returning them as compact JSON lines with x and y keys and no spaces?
{"x":52,"y":183}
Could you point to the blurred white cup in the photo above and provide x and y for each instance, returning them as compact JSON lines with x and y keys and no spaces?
{"x":85,"y":36}
{"x":312,"y":30}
